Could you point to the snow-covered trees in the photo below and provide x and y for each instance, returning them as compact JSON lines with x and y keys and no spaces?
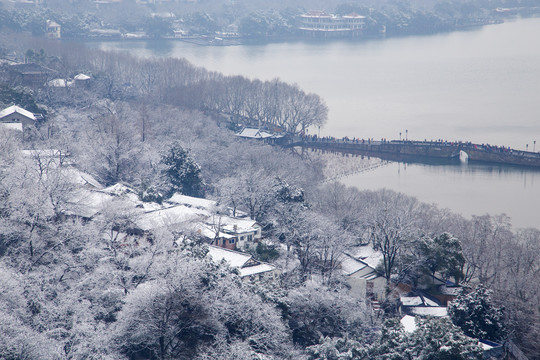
{"x":432,"y":338}
{"x":252,"y":190}
{"x":192,"y":309}
{"x":181,"y":173}
{"x":74,"y":284}
{"x":314,"y":313}
{"x":392,"y":227}
{"x":443,"y":254}
{"x":110,"y":146}
{"x":477,"y":315}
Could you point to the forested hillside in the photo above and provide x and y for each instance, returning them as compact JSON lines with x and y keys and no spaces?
{"x":250,"y":19}
{"x":87,"y":286}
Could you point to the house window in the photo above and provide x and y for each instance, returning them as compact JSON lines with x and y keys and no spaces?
{"x":250,"y":237}
{"x":241,"y":238}
{"x":231,"y":241}
{"x":224,"y":241}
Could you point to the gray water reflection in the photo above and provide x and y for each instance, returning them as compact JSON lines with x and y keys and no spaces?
{"x":468,"y":189}
{"x":480,"y":86}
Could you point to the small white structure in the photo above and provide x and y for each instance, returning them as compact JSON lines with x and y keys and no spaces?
{"x":248,"y":267}
{"x":365,"y":281}
{"x":60,"y":83}
{"x":54,"y":30}
{"x":17,"y":119}
{"x":14,"y":114}
{"x":81,"y":77}
{"x":81,"y":80}
{"x":255,"y":133}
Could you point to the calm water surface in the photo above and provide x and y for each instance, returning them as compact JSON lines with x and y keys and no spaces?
{"x":481,"y":85}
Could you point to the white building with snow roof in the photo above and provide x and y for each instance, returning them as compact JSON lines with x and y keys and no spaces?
{"x":248,"y":268}
{"x":17,"y":115}
{"x":365,"y":281}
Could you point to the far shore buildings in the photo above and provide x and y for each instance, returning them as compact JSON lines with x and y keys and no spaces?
{"x":321,"y":24}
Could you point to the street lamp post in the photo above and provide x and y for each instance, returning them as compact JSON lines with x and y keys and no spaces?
{"x":534,"y":146}
{"x":406,"y":135}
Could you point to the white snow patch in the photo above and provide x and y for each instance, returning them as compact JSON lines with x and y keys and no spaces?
{"x":409,"y":323}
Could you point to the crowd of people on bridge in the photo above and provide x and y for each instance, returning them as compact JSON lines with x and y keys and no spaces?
{"x":440,"y":142}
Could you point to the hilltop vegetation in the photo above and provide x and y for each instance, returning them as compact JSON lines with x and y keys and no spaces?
{"x":75,"y":288}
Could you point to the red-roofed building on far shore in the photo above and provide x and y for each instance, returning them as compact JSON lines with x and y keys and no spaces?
{"x":319,"y":23}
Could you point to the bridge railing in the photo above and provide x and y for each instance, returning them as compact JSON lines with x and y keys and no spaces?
{"x":439,"y":143}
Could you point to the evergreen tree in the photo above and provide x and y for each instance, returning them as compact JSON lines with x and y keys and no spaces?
{"x":182,"y":174}
{"x":476,"y":314}
{"x":433,"y":339}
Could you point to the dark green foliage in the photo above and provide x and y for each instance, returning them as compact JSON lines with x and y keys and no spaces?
{"x":20,"y":97}
{"x":289,"y":194}
{"x":433,"y":339}
{"x":181,"y":172}
{"x":443,"y":254}
{"x":265,"y":252}
{"x":148,"y":193}
{"x":477,"y":315}
{"x":315,"y":313}
{"x":338,"y":349}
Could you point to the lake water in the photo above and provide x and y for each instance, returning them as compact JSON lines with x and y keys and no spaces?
{"x":481,"y":85}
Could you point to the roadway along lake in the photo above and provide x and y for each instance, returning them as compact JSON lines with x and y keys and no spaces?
{"x":480,"y":85}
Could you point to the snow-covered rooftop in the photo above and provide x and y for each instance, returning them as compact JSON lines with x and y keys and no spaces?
{"x":119,"y":190}
{"x":254,"y":133}
{"x":51,"y":23}
{"x":60,"y":83}
{"x":192,"y":201}
{"x":256,"y":269}
{"x":411,"y":300}
{"x":350,"y":265}
{"x":417,"y":300}
{"x":367,"y":254}
{"x":81,"y":178}
{"x":244,"y":262}
{"x":87,"y":203}
{"x":438,"y":311}
{"x":206,"y":231}
{"x":15,"y":109}
{"x":240,"y":223}
{"x":82,"y":77}
{"x":234,"y":258}
{"x":166,"y":217}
